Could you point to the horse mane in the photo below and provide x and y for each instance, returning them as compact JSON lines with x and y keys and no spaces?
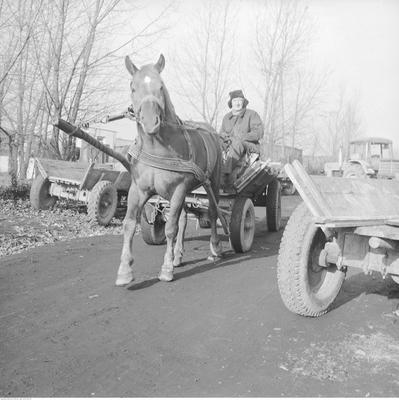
{"x":170,"y":112}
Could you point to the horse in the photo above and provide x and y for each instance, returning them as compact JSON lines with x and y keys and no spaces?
{"x":170,"y":159}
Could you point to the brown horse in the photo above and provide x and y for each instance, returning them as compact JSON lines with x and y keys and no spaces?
{"x":169,"y":159}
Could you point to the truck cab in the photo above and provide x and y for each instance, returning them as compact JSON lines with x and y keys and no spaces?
{"x":368,"y":157}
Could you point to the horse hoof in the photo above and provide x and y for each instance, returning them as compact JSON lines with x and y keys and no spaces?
{"x":165,"y":276}
{"x":216,"y":250}
{"x":213,"y":258}
{"x":177,"y":262}
{"x":123,"y":280}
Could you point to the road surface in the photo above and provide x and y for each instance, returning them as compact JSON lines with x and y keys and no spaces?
{"x":219,"y":329}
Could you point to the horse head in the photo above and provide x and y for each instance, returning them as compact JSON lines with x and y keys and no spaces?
{"x":147,"y":94}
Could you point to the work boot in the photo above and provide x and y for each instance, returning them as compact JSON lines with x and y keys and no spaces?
{"x":227,"y":183}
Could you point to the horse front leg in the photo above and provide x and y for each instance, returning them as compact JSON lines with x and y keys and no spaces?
{"x":179,"y":246}
{"x":136,"y":201}
{"x":171,"y":229}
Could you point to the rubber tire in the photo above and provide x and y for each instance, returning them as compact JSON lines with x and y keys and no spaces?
{"x":301,"y":242}
{"x":152,"y":234}
{"x":354,"y":170}
{"x":290,"y":190}
{"x":40,"y":198}
{"x":273,"y":206}
{"x":242,"y":225}
{"x":103,"y":200}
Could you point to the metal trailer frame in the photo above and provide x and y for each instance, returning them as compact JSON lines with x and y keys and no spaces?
{"x":100,"y":187}
{"x":343,"y":223}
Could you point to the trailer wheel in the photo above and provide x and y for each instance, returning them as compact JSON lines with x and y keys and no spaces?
{"x":103,"y":200}
{"x":242,"y":225}
{"x":152,"y":233}
{"x":354,"y":170}
{"x":305,"y":287}
{"x":273,"y":206}
{"x":40,"y":198}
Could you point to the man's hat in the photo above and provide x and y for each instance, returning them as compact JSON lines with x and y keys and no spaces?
{"x":237,"y":93}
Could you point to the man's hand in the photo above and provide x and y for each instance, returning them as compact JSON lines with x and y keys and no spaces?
{"x":225,"y":137}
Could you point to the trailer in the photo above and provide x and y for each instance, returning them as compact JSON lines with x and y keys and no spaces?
{"x":102,"y":188}
{"x":342,"y":223}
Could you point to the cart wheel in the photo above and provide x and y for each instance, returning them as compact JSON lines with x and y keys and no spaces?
{"x":273,"y":206}
{"x":103,"y":200}
{"x":242,"y":225}
{"x":154,"y":233}
{"x":40,"y":198}
{"x":305,"y":287}
{"x":354,"y":170}
{"x":289,"y":190}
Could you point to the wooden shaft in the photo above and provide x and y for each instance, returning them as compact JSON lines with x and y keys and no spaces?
{"x":75,"y":131}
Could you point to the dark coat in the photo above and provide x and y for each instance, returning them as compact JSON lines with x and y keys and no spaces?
{"x":246,"y":126}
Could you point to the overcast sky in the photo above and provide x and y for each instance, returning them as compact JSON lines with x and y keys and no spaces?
{"x":358,"y":40}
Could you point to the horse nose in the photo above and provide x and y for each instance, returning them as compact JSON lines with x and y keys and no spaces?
{"x":150,"y":123}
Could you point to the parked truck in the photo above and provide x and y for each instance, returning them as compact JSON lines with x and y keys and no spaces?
{"x":368,"y":157}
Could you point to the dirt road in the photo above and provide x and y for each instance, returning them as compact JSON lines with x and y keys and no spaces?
{"x":219,"y":329}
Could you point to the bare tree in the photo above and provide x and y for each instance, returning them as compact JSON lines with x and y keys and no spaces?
{"x":205,"y":70}
{"x":343,"y":123}
{"x":289,"y":93}
{"x":19,"y":20}
{"x":59,"y":62}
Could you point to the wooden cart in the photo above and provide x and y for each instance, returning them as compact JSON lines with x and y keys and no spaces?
{"x":342,"y":223}
{"x":101,"y":187}
{"x":257,"y":186}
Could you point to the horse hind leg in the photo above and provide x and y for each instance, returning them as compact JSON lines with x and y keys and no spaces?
{"x":215,"y":243}
{"x":136,"y":202}
{"x":179,"y":245}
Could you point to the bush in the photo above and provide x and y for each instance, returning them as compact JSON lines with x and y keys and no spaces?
{"x":20,"y":191}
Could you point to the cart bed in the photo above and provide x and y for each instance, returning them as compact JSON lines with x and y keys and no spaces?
{"x":254,"y":180}
{"x":84,"y":175}
{"x":340,"y":202}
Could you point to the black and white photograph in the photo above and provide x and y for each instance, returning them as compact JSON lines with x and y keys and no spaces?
{"x":199,"y":198}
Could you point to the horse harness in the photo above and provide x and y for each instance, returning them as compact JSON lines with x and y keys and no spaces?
{"x":175,"y":164}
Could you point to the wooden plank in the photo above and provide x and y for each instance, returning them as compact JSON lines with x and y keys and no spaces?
{"x":86,"y":176}
{"x":382,"y":231}
{"x":343,"y":202}
{"x":58,"y":169}
{"x":336,"y":222}
{"x":360,"y":198}
{"x":257,"y":176}
{"x":41,"y":169}
{"x":316,"y":195}
{"x":315,"y":208}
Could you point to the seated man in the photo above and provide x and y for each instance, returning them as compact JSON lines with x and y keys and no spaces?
{"x":240,"y":133}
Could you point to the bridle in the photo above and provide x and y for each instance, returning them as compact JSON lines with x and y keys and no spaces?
{"x":150,"y":98}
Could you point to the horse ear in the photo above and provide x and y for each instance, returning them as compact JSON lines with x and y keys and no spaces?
{"x":130,"y":66}
{"x":160,"y":65}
